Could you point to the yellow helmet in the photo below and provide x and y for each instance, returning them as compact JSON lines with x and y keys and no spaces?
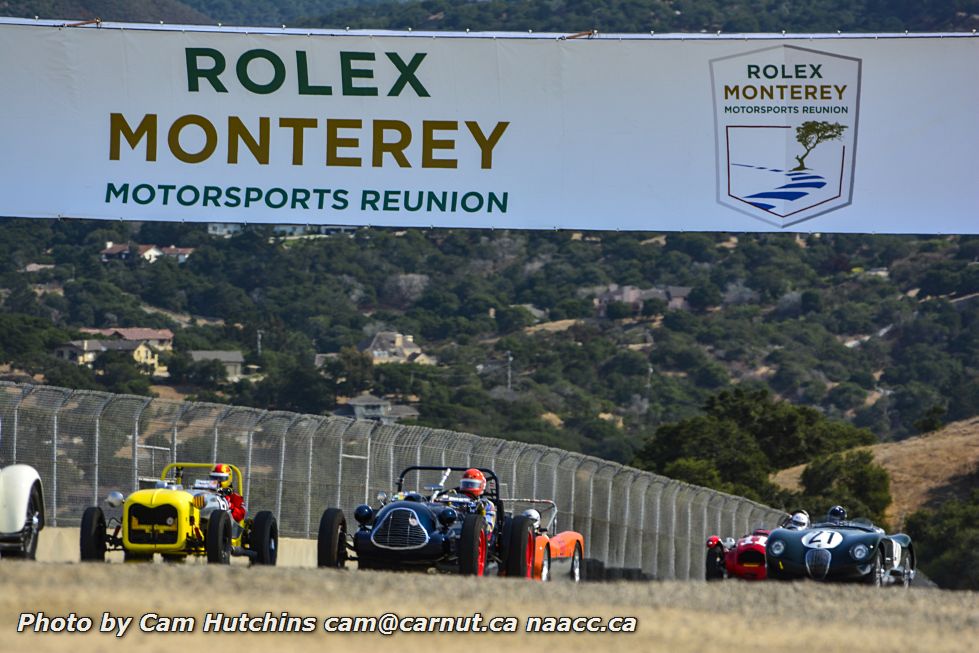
{"x":222,"y":474}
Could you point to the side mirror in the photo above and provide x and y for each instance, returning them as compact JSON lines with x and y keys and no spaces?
{"x":382,"y":497}
{"x":115,"y":499}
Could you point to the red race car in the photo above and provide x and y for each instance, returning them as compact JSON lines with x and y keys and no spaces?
{"x":744,"y":558}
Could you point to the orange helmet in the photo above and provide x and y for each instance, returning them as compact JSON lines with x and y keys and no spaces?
{"x":473,"y":482}
{"x":222,"y":474}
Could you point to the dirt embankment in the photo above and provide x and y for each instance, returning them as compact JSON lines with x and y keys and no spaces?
{"x":925,"y":470}
{"x":673,"y":616}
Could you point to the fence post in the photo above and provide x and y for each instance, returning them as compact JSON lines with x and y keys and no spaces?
{"x":642,"y":516}
{"x":214,"y":446}
{"x":418,"y":447}
{"x":591,"y":512}
{"x":184,"y":408}
{"x":282,"y":468}
{"x":608,"y":517}
{"x":139,"y":414}
{"x":54,"y":459}
{"x":367,"y":468}
{"x":309,"y":484}
{"x":540,"y":454}
{"x":23,"y":395}
{"x":248,"y":453}
{"x":573,"y":475}
{"x":339,"y":501}
{"x":627,"y":513}
{"x":98,"y":432}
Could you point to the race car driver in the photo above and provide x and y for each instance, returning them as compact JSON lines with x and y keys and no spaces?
{"x":222,"y":475}
{"x":473,"y":484}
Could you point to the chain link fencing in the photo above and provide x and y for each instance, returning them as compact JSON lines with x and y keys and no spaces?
{"x":86,"y":444}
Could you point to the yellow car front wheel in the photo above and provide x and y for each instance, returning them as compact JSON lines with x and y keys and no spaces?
{"x":218,"y":538}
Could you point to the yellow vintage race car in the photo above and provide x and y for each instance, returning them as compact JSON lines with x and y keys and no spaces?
{"x":177,"y":521}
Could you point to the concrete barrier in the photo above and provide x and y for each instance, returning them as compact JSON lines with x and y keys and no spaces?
{"x":61,"y":545}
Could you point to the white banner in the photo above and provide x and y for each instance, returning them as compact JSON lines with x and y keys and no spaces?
{"x":754,"y":133}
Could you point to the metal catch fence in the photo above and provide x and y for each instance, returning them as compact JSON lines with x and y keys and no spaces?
{"x":86,"y":444}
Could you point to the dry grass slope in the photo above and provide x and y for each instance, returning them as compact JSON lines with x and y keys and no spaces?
{"x":925,"y":470}
{"x":675,"y":617}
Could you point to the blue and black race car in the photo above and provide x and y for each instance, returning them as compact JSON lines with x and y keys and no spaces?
{"x":839,"y":549}
{"x":442,"y":529}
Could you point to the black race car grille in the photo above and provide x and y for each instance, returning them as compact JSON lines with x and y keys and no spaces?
{"x":751,"y":557}
{"x":400,"y":529}
{"x":152,"y":525}
{"x":817,"y":563}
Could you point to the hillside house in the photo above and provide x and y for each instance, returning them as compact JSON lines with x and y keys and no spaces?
{"x":149,"y":253}
{"x":392,"y":347}
{"x":159,"y":339}
{"x":86,"y":352}
{"x":367,"y":406}
{"x":233,"y":360}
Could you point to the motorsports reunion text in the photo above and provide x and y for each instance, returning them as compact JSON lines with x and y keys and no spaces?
{"x":389,"y":623}
{"x":350,"y":142}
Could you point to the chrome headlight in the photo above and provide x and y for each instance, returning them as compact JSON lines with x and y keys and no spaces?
{"x":860,"y":551}
{"x":777,"y":547}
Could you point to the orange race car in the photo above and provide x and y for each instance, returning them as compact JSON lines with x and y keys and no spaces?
{"x":556,"y":555}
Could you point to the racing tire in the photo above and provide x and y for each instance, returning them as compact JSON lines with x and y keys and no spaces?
{"x":32,"y":527}
{"x":874,"y":578}
{"x":217,"y":540}
{"x":91,"y":536}
{"x":715,"y":564}
{"x":910,"y":565}
{"x":331,"y":543}
{"x":264,"y":539}
{"x":577,"y":573}
{"x":520,"y":558}
{"x":473,"y":546}
{"x":545,"y":565}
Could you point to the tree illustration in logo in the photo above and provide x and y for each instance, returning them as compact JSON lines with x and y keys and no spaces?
{"x":811,"y":133}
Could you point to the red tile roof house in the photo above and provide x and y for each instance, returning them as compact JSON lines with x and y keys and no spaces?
{"x":158,"y":338}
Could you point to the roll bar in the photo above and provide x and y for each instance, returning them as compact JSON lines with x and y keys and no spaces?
{"x":492,"y":482}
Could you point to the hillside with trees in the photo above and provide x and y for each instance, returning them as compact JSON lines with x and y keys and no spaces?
{"x":131,"y":11}
{"x":561,"y":16}
{"x":880,"y":332}
{"x":192,"y":12}
{"x":572,"y":16}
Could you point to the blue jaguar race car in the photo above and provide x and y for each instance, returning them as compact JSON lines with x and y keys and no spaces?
{"x":462,"y":530}
{"x":839,"y":549}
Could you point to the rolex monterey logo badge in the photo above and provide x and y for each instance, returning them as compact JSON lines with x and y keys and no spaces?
{"x":786,"y":132}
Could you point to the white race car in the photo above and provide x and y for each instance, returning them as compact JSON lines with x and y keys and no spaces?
{"x":21,"y":511}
